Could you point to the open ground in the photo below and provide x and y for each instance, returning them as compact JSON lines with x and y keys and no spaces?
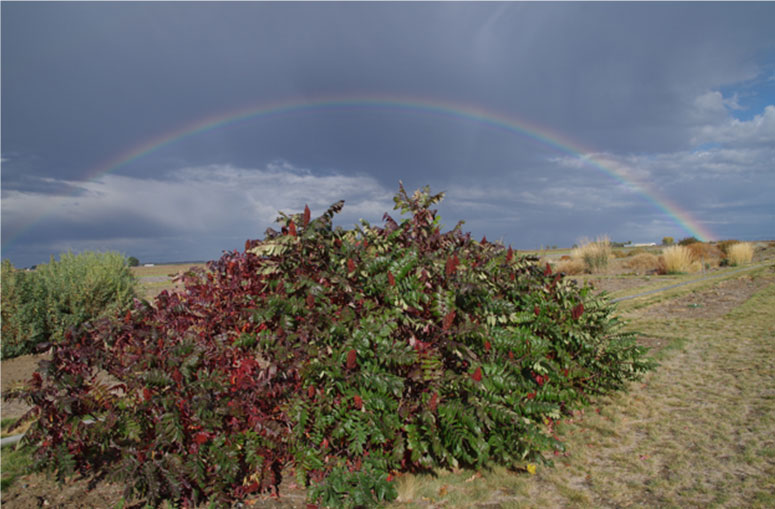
{"x":698,"y":431}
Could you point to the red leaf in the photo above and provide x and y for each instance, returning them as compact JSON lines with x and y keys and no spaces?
{"x":578,"y":311}
{"x":147,"y":393}
{"x":350,"y":265}
{"x":447,"y":323}
{"x":128,"y":317}
{"x":324,"y":443}
{"x":547,"y":270}
{"x":512,"y":276}
{"x":511,"y":354}
{"x":484,"y":240}
{"x":358,"y":402}
{"x":310,"y":300}
{"x":434,"y":402}
{"x":177,"y":376}
{"x":477,"y":376}
{"x":201,"y":437}
{"x":487,"y":346}
{"x":311,"y":392}
{"x":452,"y":263}
{"x":352,"y":359}
{"x":391,"y":279}
{"x":292,"y":229}
{"x":536,"y":310}
{"x":305,"y":219}
{"x":509,"y":254}
{"x":531,"y":395}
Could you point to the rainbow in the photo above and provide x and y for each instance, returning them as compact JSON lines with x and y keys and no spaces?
{"x":430,"y":106}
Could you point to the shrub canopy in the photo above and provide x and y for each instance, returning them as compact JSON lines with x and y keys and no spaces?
{"x":345,"y":355}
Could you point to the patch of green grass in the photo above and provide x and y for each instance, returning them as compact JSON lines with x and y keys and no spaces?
{"x":15,"y":462}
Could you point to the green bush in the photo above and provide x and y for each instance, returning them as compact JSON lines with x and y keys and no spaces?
{"x":42,"y":305}
{"x":132,"y":261}
{"x":347,"y":355}
{"x":687,"y":241}
{"x":23,"y":311}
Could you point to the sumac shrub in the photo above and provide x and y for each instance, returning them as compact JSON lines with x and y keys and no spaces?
{"x":340,"y":355}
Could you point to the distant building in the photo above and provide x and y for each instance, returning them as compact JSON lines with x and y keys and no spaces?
{"x":648,"y":244}
{"x":148,"y":265}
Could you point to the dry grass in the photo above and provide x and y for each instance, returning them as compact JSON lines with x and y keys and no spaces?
{"x":571,"y":266}
{"x":595,"y":255}
{"x":740,"y":253}
{"x":165,"y":269}
{"x":677,"y":260}
{"x":643,"y":263}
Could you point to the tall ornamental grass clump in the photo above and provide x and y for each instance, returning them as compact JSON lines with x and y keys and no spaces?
{"x":677,"y":259}
{"x":42,"y":305}
{"x":338,"y":356}
{"x":740,"y":253}
{"x":595,"y":255}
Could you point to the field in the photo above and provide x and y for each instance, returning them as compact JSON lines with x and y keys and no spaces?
{"x":698,"y":431}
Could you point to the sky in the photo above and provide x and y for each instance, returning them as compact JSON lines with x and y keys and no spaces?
{"x":176,"y":131}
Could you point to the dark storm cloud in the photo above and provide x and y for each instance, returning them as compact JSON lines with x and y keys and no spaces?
{"x":644,"y":84}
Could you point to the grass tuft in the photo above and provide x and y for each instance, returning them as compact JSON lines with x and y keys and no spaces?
{"x":677,"y":260}
{"x":740,"y":253}
{"x":595,"y":255}
{"x":643,"y":262}
{"x":571,"y":266}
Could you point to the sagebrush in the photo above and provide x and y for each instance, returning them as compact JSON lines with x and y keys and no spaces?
{"x":343,"y":356}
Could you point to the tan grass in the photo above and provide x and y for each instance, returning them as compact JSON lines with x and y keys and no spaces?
{"x":740,"y":253}
{"x":595,"y":255}
{"x":676,"y":260}
{"x":571,"y":267}
{"x":642,"y":263}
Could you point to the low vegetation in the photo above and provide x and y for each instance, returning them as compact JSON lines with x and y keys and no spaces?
{"x":40,"y":306}
{"x":595,"y":255}
{"x":677,"y":260}
{"x":643,"y":263}
{"x":740,"y":253}
{"x":352,"y":355}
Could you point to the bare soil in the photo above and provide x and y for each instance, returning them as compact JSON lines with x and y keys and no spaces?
{"x":14,"y":372}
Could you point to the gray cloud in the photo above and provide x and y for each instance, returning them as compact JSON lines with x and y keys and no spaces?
{"x":676,"y":97}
